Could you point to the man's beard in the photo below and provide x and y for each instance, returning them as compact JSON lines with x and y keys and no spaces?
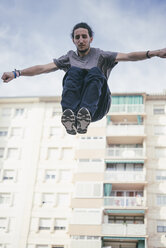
{"x":83,"y":51}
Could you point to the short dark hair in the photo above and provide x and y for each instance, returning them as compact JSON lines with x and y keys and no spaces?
{"x":82,"y":25}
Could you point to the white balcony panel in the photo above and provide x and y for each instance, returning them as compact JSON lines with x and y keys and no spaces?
{"x":90,"y":168}
{"x":125,"y":130}
{"x":124,"y":229}
{"x":86,"y":217}
{"x":124,"y":201}
{"x":91,"y":144}
{"x":124,"y":176}
{"x":85,"y":243}
{"x":127,"y":108}
{"x":125,"y":152}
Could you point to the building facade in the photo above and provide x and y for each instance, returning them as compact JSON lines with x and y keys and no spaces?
{"x":103,"y":189}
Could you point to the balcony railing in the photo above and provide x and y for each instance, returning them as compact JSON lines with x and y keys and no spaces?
{"x":125,"y":176}
{"x":137,"y":201}
{"x":124,"y":130}
{"x":123,"y":229}
{"x":127,"y":108}
{"x":125,"y":152}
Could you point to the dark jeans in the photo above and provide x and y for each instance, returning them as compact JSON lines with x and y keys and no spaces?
{"x":86,"y":88}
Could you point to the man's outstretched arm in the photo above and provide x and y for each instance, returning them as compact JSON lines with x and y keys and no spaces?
{"x":31,"y":71}
{"x":136,"y":56}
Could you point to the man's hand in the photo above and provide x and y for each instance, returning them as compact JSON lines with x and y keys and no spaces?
{"x":162,"y":53}
{"x":7,"y":77}
{"x":136,"y":56}
{"x":31,"y":71}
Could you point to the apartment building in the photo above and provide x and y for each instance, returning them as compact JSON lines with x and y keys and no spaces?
{"x":103,"y":189}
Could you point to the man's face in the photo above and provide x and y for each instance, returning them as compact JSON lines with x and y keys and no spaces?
{"x":82,"y":40}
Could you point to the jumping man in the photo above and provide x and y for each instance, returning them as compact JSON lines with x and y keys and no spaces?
{"x":86,"y":96}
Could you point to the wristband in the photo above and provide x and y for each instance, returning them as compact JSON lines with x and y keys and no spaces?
{"x":147,"y":55}
{"x":16,"y":73}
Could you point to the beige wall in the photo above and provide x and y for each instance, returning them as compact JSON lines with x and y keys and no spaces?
{"x":89,"y":230}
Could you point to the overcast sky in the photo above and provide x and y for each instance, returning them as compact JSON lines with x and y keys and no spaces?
{"x":36,"y":31}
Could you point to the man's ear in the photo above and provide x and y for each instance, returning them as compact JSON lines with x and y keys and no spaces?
{"x":91,"y":39}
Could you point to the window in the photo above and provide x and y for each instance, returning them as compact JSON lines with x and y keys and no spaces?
{"x":138,"y":167}
{"x":44,"y":224}
{"x":5,"y":199}
{"x":8,"y":175}
{"x":3,"y":224}
{"x":160,"y":152}
{"x":125,"y":145}
{"x":161,"y":226}
{"x":84,"y":160}
{"x":77,"y":237}
{"x":30,"y":246}
{"x":161,"y":175}
{"x":19,"y":111}
{"x":159,"y":109}
{"x":57,"y":246}
{"x":2,"y":150}
{"x":48,"y":199}
{"x":55,"y":131}
{"x":161,"y":200}
{"x":63,"y":200}
{"x":67,"y":153}
{"x":97,"y":160}
{"x":87,"y":160}
{"x":53,"y":153}
{"x":65,"y":176}
{"x":12,"y":153}
{"x":60,"y":224}
{"x":86,"y":216}
{"x":6,"y":112}
{"x":56,"y":112}
{"x":92,"y":137}
{"x":125,"y":219}
{"x":16,"y":131}
{"x":159,"y":130}
{"x":3,"y":132}
{"x":5,"y":246}
{"x":86,"y":190}
{"x":42,"y":246}
{"x":50,"y":175}
{"x":126,"y":193}
{"x":124,"y":167}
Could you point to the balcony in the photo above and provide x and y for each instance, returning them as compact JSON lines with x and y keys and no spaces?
{"x":125,"y":176}
{"x":124,"y":229}
{"x":125,"y":152}
{"x":127,"y":109}
{"x":125,"y":130}
{"x":124,"y":202}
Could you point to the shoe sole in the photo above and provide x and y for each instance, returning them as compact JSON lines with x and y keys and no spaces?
{"x":68,"y":121}
{"x":83,"y":120}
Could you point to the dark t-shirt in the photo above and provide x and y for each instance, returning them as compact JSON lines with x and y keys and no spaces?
{"x":96,"y":57}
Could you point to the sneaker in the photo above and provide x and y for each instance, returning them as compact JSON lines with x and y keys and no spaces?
{"x":83,"y":120}
{"x":68,"y":120}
